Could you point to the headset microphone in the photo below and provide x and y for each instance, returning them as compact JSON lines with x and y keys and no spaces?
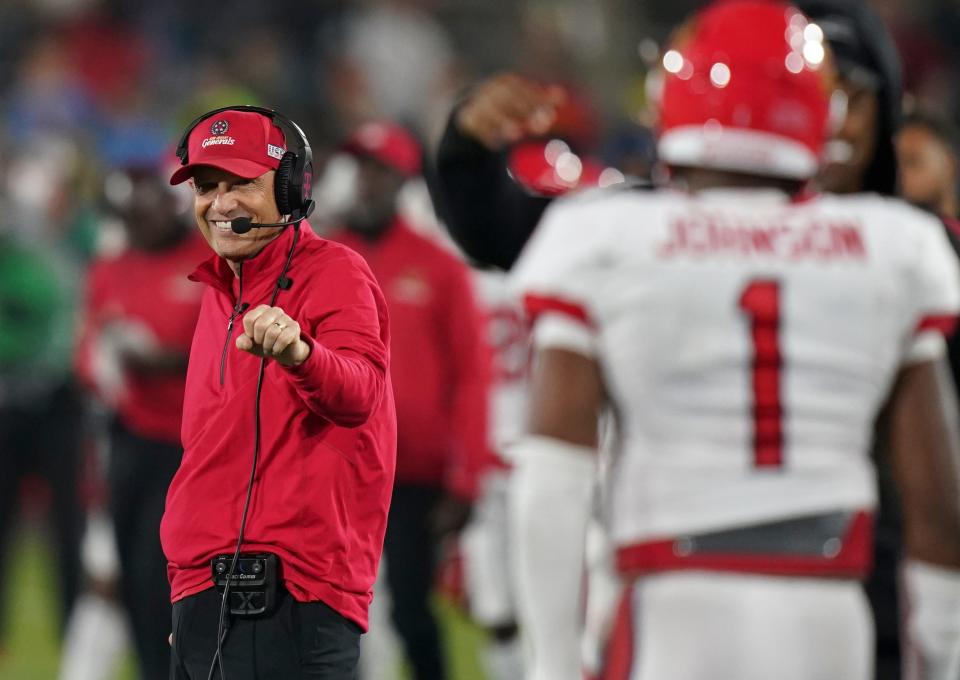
{"x":242,"y":225}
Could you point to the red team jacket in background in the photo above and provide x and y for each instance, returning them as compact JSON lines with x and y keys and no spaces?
{"x":441,"y":364}
{"x":150,"y":289}
{"x":328,"y":438}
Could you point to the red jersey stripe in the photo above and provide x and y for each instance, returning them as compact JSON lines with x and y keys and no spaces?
{"x":620,"y":651}
{"x":945,"y":323}
{"x":539,"y":304}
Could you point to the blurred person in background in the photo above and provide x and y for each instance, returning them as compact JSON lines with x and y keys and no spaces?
{"x":500,"y":163}
{"x":39,"y":406}
{"x":396,"y":62}
{"x":44,"y":242}
{"x":928,"y":163}
{"x":860,"y":156}
{"x":137,"y":326}
{"x":485,"y":543}
{"x":97,"y":636}
{"x":440,"y":377}
{"x":770,"y":535}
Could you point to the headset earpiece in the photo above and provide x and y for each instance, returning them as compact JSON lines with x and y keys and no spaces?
{"x":288,"y":201}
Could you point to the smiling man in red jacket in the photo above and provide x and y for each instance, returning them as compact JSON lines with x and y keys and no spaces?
{"x":308,"y":314}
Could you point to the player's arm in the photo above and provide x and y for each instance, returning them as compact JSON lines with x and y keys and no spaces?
{"x":553,"y":484}
{"x":489,"y":215}
{"x":925,"y":451}
{"x":567,"y":396}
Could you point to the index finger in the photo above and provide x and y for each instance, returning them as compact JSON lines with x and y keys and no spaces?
{"x":250,"y":318}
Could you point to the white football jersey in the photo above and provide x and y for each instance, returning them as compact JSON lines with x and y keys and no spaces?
{"x":747,"y":342}
{"x":509,"y":339}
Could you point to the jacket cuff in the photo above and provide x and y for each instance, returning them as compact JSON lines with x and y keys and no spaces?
{"x":303,"y":369}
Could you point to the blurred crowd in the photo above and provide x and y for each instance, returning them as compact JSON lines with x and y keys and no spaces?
{"x":95,"y":93}
{"x":93,"y":84}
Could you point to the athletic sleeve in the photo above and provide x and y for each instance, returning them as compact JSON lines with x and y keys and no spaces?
{"x":344,"y":377}
{"x":486,"y":212}
{"x":935,"y":292}
{"x":558,"y":278}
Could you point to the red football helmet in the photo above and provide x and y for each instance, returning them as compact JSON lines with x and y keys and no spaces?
{"x":746,"y":87}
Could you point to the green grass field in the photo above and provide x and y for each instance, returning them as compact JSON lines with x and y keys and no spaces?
{"x":32,"y":649}
{"x":33,"y":653}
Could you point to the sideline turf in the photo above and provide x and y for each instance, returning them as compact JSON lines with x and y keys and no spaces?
{"x":33,"y":653}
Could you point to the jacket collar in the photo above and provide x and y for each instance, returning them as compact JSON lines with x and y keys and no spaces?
{"x":215,"y":271}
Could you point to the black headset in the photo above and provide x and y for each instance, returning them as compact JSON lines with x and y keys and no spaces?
{"x":293,"y":184}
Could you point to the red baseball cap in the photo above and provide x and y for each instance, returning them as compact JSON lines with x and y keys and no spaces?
{"x":550,"y":168}
{"x":244,"y":143}
{"x":389,"y":143}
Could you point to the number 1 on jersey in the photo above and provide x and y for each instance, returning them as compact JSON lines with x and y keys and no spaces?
{"x":761,"y":302}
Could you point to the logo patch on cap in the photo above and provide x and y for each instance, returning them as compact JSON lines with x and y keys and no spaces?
{"x":219,"y":131}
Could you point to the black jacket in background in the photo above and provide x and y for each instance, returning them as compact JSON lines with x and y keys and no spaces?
{"x":487,"y":213}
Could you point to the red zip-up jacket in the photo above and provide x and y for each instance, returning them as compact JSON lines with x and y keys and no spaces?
{"x":441,"y":364}
{"x":328,"y":430}
{"x":150,"y":289}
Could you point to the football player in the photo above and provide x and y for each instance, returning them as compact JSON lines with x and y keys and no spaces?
{"x":745,"y":333}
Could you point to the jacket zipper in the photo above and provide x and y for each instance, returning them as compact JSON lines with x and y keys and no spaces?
{"x":238,"y":309}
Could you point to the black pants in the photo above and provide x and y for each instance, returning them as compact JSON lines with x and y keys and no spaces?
{"x":139,"y":473}
{"x":411,"y":554}
{"x":300,"y":640}
{"x":45,"y":438}
{"x":882,"y":586}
